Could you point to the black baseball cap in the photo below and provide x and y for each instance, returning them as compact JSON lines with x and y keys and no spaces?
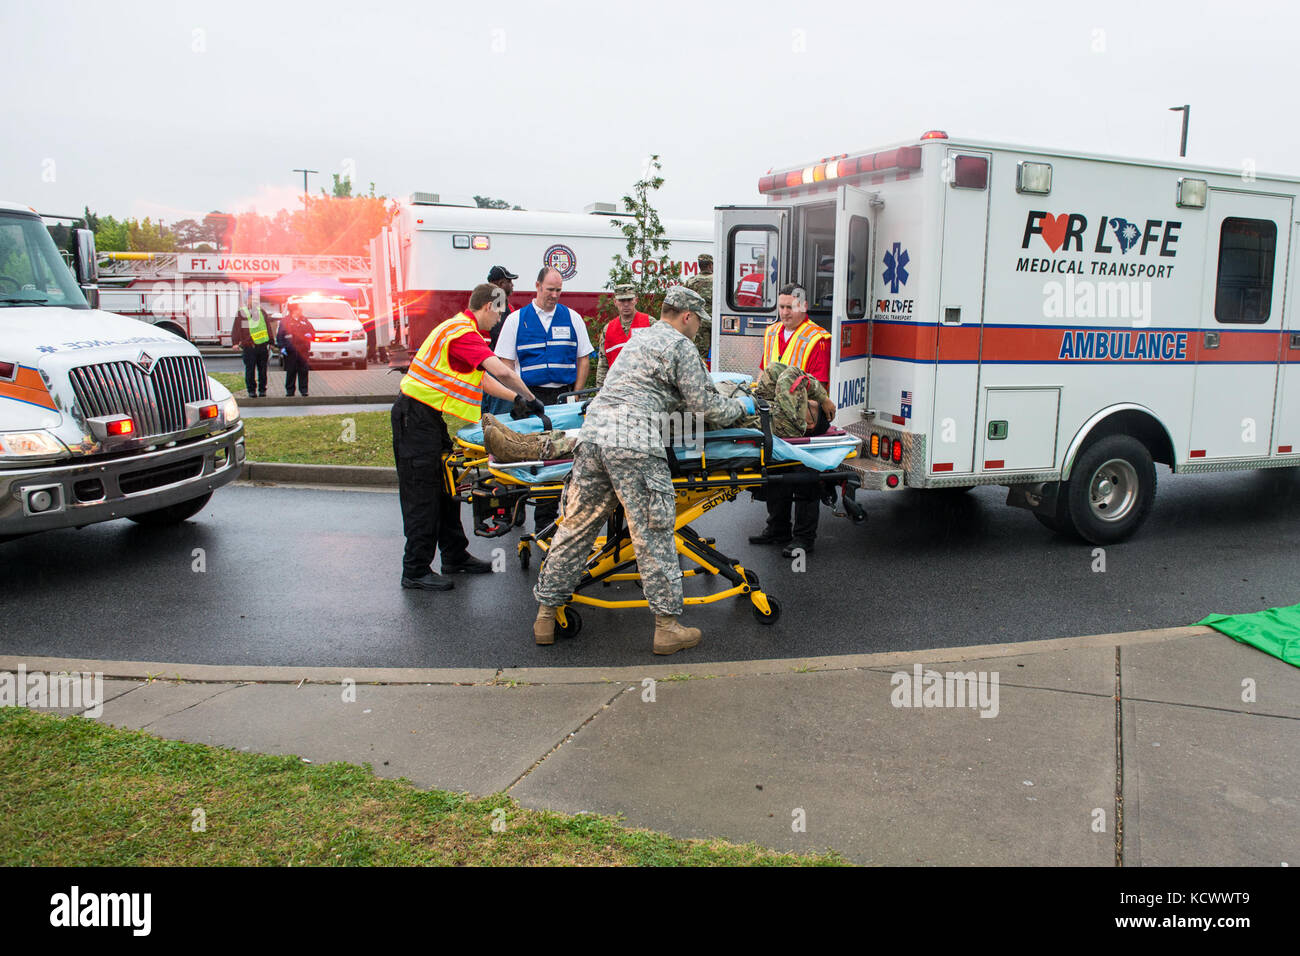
{"x":497,"y":273}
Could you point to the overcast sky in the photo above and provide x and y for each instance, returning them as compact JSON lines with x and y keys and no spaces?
{"x":173,"y":109}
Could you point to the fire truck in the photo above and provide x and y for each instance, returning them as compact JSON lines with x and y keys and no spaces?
{"x":1054,"y":322}
{"x":426,"y":263}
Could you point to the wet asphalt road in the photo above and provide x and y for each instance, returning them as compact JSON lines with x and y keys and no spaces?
{"x":310,"y":577}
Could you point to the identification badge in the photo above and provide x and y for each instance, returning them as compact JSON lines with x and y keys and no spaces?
{"x":560,"y":332}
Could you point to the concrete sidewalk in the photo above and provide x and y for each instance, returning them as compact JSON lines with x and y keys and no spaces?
{"x":1125,"y":748}
{"x":375,"y":385}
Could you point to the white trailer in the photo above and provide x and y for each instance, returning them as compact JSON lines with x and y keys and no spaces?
{"x":1050,"y":321}
{"x":429,"y":259}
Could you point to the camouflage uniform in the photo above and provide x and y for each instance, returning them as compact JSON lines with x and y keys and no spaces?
{"x":788,"y":390}
{"x":703,"y":285}
{"x":621,"y":459}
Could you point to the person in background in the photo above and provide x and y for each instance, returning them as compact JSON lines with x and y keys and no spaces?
{"x":549,"y":344}
{"x":503,"y":279}
{"x":252,"y":336}
{"x":617,"y":331}
{"x":702,"y":283}
{"x":294,"y":338}
{"x":801,"y":344}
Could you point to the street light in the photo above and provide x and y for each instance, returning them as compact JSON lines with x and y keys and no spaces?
{"x":1186,"y":110}
{"x":304,"y":177}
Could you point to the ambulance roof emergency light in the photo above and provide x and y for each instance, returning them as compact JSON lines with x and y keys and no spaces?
{"x":1034,"y":178}
{"x":934,"y":134}
{"x":1192,"y":193}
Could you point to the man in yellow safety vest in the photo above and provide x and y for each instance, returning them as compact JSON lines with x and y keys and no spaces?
{"x":800,"y":343}
{"x":441,"y":393}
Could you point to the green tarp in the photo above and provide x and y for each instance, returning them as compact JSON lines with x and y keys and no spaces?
{"x":1275,"y":631}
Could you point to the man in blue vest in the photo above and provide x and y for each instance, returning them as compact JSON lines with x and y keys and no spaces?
{"x":549,"y":345}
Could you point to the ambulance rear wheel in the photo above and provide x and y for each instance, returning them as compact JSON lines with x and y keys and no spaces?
{"x":1111,"y":490}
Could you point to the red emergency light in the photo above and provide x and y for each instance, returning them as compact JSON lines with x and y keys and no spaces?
{"x":934,"y":134}
{"x":209,"y":411}
{"x":120,"y":427}
{"x":904,"y":159}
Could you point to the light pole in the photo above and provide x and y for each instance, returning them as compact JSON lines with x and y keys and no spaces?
{"x":1186,"y":110}
{"x":306,"y":171}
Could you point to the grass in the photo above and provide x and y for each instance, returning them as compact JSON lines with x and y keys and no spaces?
{"x":232,"y":380}
{"x":322,"y":439}
{"x":77,"y":793}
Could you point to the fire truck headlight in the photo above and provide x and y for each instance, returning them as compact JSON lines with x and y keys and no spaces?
{"x":38,"y":444}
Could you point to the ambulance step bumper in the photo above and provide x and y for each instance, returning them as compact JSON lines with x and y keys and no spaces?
{"x":875,"y":475}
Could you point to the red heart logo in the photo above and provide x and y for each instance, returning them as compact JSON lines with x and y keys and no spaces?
{"x":1054,"y":229}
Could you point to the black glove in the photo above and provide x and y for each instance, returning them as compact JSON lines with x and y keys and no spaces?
{"x":520,"y":409}
{"x":535,"y":407}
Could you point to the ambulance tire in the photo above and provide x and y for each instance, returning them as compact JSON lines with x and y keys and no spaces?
{"x":172,"y":514}
{"x":1110,"y":490}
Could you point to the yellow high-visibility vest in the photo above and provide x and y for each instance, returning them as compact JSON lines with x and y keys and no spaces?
{"x":432,"y":380}
{"x":798,"y":348}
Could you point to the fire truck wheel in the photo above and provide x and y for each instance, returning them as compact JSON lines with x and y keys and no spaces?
{"x":1111,"y":490}
{"x":172,"y":514}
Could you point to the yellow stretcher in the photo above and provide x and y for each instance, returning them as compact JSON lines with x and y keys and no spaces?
{"x":706,"y":475}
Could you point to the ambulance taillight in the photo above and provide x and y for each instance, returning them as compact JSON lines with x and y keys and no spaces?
{"x":898,"y":451}
{"x":875,"y":444}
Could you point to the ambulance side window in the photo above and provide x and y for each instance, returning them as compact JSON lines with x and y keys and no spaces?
{"x":859,"y":268}
{"x":749,"y":283}
{"x":1247,"y":248}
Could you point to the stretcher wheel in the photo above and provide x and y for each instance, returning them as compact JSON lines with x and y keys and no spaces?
{"x":772,"y":618}
{"x":572,"y":626}
{"x":752,"y":580}
{"x":525,"y":557}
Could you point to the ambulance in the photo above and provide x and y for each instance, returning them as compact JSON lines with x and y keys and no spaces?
{"x":1054,"y":322}
{"x":433,"y":254}
{"x":101,"y":416}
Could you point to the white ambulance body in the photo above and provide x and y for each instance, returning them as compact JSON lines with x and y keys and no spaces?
{"x":1049,"y":321}
{"x":432,"y":256}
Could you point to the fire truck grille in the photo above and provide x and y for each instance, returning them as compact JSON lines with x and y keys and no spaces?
{"x":154,"y":400}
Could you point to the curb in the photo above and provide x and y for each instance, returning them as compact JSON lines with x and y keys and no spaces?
{"x":351,"y":475}
{"x":317,"y":399}
{"x":224,"y":673}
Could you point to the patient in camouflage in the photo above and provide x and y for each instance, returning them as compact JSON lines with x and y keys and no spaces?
{"x":799,"y":406}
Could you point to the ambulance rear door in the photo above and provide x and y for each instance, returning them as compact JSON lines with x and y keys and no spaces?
{"x":752,"y":244}
{"x":850,"y":303}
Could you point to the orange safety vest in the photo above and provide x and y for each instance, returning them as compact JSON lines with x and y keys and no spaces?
{"x":798,"y":348}
{"x":432,"y":380}
{"x":616,"y":337}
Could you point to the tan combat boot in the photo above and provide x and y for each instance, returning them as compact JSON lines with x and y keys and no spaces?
{"x":544,"y":626}
{"x":671,"y":637}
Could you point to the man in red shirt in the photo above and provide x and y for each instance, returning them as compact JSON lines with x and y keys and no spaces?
{"x":798,"y":342}
{"x":617,"y":331}
{"x":441,"y":394}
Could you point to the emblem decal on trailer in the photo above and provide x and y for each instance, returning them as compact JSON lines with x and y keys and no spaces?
{"x":561,"y":259}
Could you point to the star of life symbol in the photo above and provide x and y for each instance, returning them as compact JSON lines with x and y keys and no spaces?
{"x":896,"y":267}
{"x":145,"y":361}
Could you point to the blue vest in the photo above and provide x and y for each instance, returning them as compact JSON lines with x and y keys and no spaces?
{"x":543,"y":358}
